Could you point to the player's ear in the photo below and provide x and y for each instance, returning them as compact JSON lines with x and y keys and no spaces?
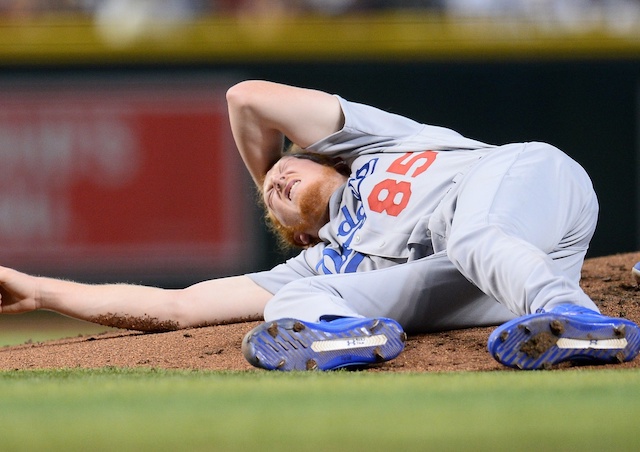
{"x":302,"y":239}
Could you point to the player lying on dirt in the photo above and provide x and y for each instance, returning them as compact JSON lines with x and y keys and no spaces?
{"x":403,"y":227}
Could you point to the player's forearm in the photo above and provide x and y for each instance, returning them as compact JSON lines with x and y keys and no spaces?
{"x":213,"y":302}
{"x":262,"y":113}
{"x":117,"y":305}
{"x":259,"y":142}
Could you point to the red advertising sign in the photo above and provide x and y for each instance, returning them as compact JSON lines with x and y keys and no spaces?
{"x":138,"y":178}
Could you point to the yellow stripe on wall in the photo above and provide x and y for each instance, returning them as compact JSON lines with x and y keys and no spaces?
{"x":389,"y":36}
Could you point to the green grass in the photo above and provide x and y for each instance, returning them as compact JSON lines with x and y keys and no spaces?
{"x":118,"y":409}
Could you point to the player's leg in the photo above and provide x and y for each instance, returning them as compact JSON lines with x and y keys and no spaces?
{"x":531,"y":234}
{"x":424,"y":295}
{"x":522,"y":227}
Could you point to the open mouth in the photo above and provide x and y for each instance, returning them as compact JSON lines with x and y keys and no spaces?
{"x":289,"y":188}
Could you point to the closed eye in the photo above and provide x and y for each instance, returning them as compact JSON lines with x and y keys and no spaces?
{"x":269,"y":196}
{"x":279,"y":168}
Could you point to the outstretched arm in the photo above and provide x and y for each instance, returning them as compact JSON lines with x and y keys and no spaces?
{"x":143,"y":308}
{"x":263,"y":113}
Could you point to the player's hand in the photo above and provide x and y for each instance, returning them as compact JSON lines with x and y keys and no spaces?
{"x":18,"y":292}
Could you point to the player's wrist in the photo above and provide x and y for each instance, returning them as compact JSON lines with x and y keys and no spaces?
{"x":39,"y":294}
{"x":50,"y":294}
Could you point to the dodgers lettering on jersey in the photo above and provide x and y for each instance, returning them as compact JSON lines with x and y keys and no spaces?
{"x":345,"y":259}
{"x":388,"y":193}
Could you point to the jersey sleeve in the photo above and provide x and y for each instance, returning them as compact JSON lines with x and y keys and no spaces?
{"x":295,"y":268}
{"x":369,"y":130}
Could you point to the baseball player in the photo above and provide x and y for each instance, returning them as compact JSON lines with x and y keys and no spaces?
{"x":428,"y":231}
{"x":403,"y":227}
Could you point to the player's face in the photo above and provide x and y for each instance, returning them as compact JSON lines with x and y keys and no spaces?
{"x":297,"y":191}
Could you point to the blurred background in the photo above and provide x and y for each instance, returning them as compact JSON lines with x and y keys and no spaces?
{"x":116,"y":155}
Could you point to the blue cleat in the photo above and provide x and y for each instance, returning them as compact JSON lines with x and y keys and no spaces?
{"x":564,"y":333}
{"x":635,"y":272}
{"x":290,"y":344}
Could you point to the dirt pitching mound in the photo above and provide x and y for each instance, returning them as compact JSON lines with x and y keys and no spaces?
{"x":607,"y":280}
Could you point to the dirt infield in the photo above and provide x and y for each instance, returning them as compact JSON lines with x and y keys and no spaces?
{"x":607,"y":280}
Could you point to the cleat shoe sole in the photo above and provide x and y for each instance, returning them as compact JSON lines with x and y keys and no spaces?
{"x":540,"y":341}
{"x":290,"y":344}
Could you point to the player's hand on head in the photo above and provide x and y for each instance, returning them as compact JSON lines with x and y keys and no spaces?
{"x":18,"y":292}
